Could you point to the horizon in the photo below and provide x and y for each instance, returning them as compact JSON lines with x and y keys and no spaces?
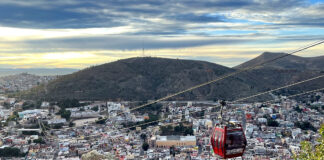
{"x":77,"y":69}
{"x":80,"y":34}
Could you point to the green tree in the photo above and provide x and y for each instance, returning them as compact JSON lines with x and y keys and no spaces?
{"x":272,"y":123}
{"x":38,"y":104}
{"x":27,"y":105}
{"x":101,"y":121}
{"x":58,"y":126}
{"x":94,"y":155}
{"x":30,"y":133}
{"x":188,"y":131}
{"x":297,"y":109}
{"x":145,"y":146}
{"x":311,"y":152}
{"x":317,"y":97}
{"x":6,"y":105}
{"x":178,"y":129}
{"x":68,"y":103}
{"x":143,"y":136}
{"x":39,"y":140}
{"x":95,"y":108}
{"x":71,"y":124}
{"x":65,"y":113}
{"x":11,"y":152}
{"x":305,"y":126}
{"x":12,"y":118}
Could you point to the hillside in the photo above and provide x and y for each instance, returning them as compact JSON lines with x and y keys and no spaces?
{"x":290,"y":62}
{"x":146,"y":79}
{"x":286,"y":71}
{"x":152,"y":78}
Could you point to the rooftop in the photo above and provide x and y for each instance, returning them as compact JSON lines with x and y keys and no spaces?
{"x":176,"y":138}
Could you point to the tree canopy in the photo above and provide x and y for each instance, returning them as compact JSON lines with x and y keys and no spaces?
{"x":94,"y":155}
{"x":305,"y":126}
{"x":65,"y":113}
{"x":310,"y":151}
{"x":11,"y":152}
{"x":145,"y":146}
{"x":68,"y":103}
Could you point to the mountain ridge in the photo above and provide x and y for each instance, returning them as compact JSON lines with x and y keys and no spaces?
{"x":148,"y":78}
{"x":288,"y":62}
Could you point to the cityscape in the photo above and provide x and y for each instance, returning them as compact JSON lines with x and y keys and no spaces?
{"x":161,"y":80}
{"x":72,"y":129}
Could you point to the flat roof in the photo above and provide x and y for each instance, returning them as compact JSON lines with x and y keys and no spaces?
{"x":26,"y":129}
{"x":176,"y":138}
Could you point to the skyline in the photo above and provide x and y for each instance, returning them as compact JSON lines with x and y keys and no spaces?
{"x":79,"y":34}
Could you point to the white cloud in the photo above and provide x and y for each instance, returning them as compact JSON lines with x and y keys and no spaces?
{"x":22,"y":34}
{"x":229,"y":32}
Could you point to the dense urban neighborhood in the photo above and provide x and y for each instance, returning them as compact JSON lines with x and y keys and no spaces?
{"x":22,"y":82}
{"x":72,"y":129}
{"x":161,"y":80}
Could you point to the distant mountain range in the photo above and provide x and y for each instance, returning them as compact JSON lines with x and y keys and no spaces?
{"x":151,"y":78}
{"x":37,"y":71}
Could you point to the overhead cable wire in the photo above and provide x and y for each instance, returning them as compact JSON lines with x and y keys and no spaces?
{"x":295,"y":95}
{"x":299,"y":94}
{"x":241,"y":99}
{"x":259,"y":94}
{"x":228,"y":75}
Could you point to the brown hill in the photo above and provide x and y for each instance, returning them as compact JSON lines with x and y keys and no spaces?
{"x":146,"y":79}
{"x":152,"y":78}
{"x":290,"y":62}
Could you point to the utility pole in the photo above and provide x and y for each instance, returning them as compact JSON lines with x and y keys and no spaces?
{"x":222,"y":103}
{"x":172,"y":152}
{"x":188,"y":156}
{"x":208,"y":149}
{"x":143,"y":51}
{"x":243,"y":119}
{"x":107,"y":109}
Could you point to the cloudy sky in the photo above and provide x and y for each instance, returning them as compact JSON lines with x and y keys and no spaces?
{"x":82,"y":33}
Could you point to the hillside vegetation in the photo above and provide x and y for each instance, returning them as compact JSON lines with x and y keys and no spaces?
{"x":152,"y":78}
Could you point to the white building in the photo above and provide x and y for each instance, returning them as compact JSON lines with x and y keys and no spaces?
{"x":84,"y":114}
{"x":295,"y":132}
{"x":57,"y":121}
{"x":168,"y":141}
{"x":45,"y":104}
{"x":262,"y":120}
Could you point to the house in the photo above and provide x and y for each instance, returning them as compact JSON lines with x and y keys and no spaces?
{"x":45,"y":104}
{"x":262,"y":120}
{"x":56,"y":121}
{"x":28,"y":112}
{"x":168,"y":141}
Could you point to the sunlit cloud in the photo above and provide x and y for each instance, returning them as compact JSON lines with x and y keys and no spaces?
{"x":224,"y":55}
{"x":19,"y":34}
{"x":54,"y":60}
{"x":79,"y":34}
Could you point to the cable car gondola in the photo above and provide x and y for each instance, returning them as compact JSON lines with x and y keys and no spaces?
{"x":228,"y":141}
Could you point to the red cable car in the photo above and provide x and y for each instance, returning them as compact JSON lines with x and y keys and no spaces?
{"x":228,"y":141}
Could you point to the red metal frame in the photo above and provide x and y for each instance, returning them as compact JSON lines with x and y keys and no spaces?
{"x":220,"y":150}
